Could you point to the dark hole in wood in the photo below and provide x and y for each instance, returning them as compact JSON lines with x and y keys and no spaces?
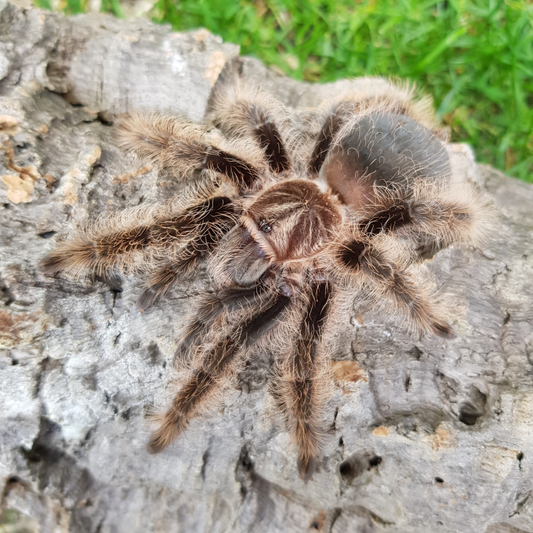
{"x":346,"y":469}
{"x":375,"y":461}
{"x":468,"y":416}
{"x":416,"y":353}
{"x":47,"y":234}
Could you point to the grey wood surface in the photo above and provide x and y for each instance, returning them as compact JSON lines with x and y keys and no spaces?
{"x":451,"y":422}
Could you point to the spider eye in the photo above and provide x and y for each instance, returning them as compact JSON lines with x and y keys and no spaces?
{"x":265,"y":226}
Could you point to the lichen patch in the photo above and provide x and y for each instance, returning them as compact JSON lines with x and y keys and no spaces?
{"x":93,"y":156}
{"x":20,"y":185}
{"x":124,"y":178}
{"x":348,"y":371}
{"x":9,"y":125}
{"x":216,"y":64}
{"x":442,"y":438}
{"x":19,"y":328}
{"x":71,"y":185}
{"x":381,"y":431}
{"x":19,"y":188}
{"x":201,"y":35}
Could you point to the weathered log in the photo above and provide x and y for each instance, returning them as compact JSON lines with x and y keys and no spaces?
{"x":425,"y":434}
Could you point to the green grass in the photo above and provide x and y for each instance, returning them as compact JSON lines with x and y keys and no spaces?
{"x":474,"y":56}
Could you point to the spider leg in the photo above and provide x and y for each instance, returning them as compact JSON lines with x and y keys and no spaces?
{"x":212,"y":306}
{"x":331,"y":124}
{"x":460,"y":215}
{"x":182,"y":146}
{"x":325,"y":139}
{"x":210,"y":226}
{"x":303,"y":378}
{"x":217,"y":363}
{"x":433,"y":217}
{"x":165,"y":277}
{"x":131,"y":237}
{"x":240,"y":110}
{"x":412,"y":297}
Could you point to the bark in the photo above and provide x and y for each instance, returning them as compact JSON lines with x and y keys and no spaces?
{"x":425,"y":435}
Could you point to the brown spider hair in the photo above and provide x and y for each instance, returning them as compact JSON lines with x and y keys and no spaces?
{"x":294,"y":215}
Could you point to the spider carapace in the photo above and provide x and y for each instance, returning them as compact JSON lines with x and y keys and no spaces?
{"x":295,"y":214}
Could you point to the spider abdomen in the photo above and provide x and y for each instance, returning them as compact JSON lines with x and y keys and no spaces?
{"x":383,"y":149}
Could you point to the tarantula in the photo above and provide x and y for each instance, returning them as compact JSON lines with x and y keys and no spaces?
{"x":294,"y":215}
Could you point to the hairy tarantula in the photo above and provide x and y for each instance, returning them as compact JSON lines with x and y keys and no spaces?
{"x":295,"y":214}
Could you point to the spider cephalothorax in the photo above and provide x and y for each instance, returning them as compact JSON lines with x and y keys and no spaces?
{"x":293,"y":214}
{"x":291,"y":222}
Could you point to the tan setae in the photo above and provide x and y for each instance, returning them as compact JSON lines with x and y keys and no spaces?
{"x":294,"y":215}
